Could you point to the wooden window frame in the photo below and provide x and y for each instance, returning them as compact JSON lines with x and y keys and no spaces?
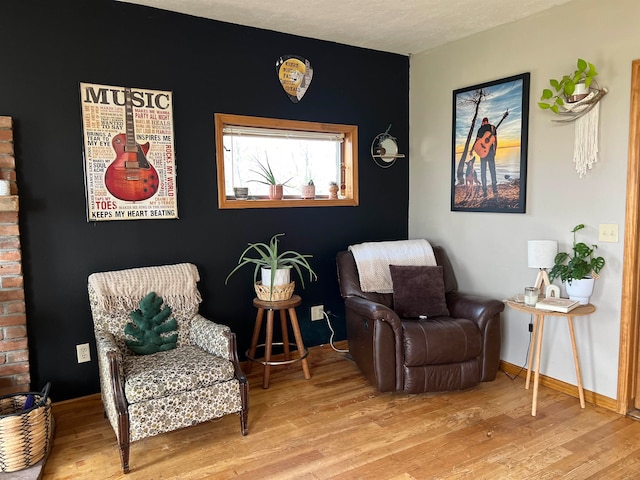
{"x":348,"y":193}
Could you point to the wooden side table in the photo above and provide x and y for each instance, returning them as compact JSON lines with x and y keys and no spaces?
{"x":536,"y":338}
{"x":283,"y":306}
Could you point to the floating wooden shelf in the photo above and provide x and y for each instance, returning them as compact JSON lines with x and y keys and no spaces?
{"x":9,"y":203}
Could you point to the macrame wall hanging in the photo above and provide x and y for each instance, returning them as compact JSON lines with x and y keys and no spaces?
{"x":586,"y":114}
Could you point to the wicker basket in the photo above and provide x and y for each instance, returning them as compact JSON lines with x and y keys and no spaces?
{"x":25,"y":432}
{"x":279,"y":292}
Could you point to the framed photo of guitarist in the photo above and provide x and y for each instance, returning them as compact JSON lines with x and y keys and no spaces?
{"x":489,"y":152}
{"x":129,"y":160}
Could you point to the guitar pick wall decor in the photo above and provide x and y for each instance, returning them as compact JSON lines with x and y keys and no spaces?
{"x":295,"y":74}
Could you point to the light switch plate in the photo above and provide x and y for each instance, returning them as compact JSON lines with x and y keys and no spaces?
{"x":608,"y":232}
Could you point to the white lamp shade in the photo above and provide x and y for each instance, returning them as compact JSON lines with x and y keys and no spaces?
{"x":542,"y":253}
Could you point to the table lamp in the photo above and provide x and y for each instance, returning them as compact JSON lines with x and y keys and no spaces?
{"x":541,"y":255}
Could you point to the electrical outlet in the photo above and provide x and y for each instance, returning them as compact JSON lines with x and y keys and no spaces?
{"x":317,"y":312}
{"x":608,"y":232}
{"x":83,"y":352}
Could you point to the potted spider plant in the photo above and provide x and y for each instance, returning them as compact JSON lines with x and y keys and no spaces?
{"x":275,"y":268}
{"x":578,"y":271}
{"x":267,"y":177}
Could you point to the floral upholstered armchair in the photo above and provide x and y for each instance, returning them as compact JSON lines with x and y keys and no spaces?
{"x":145,"y":395}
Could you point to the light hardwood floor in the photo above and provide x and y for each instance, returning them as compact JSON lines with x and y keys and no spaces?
{"x":335,"y":426}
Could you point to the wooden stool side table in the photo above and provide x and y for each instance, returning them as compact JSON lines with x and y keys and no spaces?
{"x":536,"y":340}
{"x":284,"y":307}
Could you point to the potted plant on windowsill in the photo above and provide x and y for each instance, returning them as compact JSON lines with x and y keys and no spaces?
{"x":333,"y":190}
{"x":308,"y":190}
{"x":268,"y":178}
{"x":570,"y":88}
{"x":578,"y":271}
{"x":275,"y":268}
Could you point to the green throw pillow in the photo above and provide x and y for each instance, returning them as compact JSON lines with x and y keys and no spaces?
{"x":149,"y":324}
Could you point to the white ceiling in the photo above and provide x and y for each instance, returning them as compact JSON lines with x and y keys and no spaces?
{"x":405,"y":27}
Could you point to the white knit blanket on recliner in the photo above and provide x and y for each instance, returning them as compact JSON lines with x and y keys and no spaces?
{"x":373,"y":260}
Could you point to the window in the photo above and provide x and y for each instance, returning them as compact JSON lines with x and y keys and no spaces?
{"x":292,"y":153}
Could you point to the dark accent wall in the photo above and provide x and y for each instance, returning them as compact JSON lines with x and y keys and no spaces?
{"x":49,"y":47}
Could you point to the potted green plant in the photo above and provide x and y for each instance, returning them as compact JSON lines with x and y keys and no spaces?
{"x":275,"y":266}
{"x":267,"y":177}
{"x":570,"y":88}
{"x":579,"y":270}
{"x":333,"y":189}
{"x":308,"y":190}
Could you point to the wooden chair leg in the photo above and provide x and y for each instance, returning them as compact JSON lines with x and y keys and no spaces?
{"x":244,"y":417}
{"x":244,"y":413}
{"x":123,"y":441}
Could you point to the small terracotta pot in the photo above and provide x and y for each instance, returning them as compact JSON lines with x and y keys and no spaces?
{"x":275,"y":192}
{"x":308,"y":191}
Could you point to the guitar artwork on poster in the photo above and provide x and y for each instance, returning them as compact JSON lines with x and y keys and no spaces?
{"x":483,"y":145}
{"x":130,"y":176}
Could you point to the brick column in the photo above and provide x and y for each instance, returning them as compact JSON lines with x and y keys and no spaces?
{"x":14,"y":354}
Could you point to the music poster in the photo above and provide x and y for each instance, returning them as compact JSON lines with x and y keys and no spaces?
{"x":129,"y":153}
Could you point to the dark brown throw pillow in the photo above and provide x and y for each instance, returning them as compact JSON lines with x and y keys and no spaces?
{"x":418,"y":290}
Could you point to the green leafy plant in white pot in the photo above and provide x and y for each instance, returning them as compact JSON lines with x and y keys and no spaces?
{"x":275,"y":268}
{"x":570,"y":88}
{"x":578,"y":271}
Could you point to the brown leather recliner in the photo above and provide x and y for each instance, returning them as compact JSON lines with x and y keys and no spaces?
{"x":463,"y":349}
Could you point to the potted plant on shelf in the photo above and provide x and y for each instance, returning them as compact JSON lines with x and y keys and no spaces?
{"x":333,"y":189}
{"x":268,"y":178}
{"x":570,"y":88}
{"x":275,"y":268}
{"x":578,"y":271}
{"x":308,"y":190}
{"x":241,"y":193}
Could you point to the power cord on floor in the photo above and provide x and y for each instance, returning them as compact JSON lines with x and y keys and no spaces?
{"x":333,"y":333}
{"x":526,"y":358}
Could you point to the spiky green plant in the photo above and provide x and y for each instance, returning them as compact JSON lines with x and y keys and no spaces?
{"x":267,"y":177}
{"x":268,"y":256}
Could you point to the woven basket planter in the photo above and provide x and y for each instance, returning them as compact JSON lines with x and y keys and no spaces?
{"x":280,"y":292}
{"x":25,"y":433}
